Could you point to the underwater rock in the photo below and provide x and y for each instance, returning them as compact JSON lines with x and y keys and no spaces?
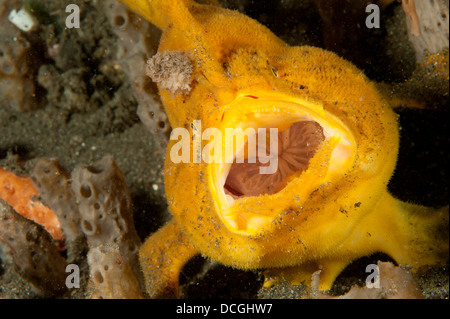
{"x":394,"y":283}
{"x":27,"y":247}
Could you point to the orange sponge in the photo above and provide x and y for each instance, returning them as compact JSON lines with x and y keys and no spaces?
{"x":20,"y":193}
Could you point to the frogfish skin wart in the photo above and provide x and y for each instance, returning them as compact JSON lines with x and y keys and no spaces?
{"x":326,"y":205}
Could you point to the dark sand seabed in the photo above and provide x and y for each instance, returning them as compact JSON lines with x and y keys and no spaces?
{"x":98,"y":117}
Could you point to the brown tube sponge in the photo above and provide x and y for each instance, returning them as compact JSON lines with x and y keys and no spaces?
{"x":106,"y":209}
{"x":137,"y":40}
{"x":111,"y":276}
{"x":55,"y":189}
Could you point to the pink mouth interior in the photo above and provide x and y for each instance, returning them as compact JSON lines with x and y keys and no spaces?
{"x":296,"y":146}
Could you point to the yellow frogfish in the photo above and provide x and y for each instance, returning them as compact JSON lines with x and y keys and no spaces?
{"x":324,"y":204}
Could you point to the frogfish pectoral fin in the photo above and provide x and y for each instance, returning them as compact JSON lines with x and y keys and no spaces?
{"x":303,"y":274}
{"x":412,"y":235}
{"x":162,"y":256}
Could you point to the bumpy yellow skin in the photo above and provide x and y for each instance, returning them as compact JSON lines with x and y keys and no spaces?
{"x":320,"y":220}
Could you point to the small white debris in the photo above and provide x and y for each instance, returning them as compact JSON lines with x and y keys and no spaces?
{"x":22,"y":19}
{"x":155,"y":187}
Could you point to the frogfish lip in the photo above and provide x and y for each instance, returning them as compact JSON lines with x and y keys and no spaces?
{"x":302,"y":128}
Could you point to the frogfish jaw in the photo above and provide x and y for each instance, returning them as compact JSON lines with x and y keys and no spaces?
{"x":268,"y":143}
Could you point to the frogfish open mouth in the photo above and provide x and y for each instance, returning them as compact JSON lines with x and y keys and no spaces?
{"x":324,"y":201}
